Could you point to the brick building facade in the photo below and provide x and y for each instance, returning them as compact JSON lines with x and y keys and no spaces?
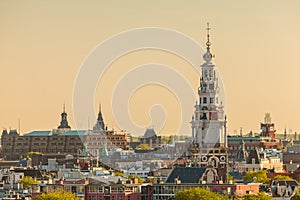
{"x":61,"y":140}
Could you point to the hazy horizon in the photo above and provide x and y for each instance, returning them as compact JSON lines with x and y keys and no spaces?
{"x":44,"y":43}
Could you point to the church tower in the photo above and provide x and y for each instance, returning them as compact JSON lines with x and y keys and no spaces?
{"x":99,"y":126}
{"x":209,"y":148}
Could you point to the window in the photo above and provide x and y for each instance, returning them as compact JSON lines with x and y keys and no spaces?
{"x":204,"y":100}
{"x":211,"y":86}
{"x":211,"y":100}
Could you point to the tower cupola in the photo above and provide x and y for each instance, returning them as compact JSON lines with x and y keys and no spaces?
{"x":64,"y":121}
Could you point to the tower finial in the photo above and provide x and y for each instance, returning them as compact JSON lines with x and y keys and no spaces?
{"x":208,"y":29}
{"x":99,"y":107}
{"x":64,"y":107}
{"x":208,"y":56}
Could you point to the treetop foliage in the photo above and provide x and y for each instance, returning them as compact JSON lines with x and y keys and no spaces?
{"x":198,"y":194}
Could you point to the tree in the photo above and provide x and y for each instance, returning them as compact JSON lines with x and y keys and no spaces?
{"x":261,"y":176}
{"x":198,"y":194}
{"x":231,"y":178}
{"x":116,"y":173}
{"x":143,"y":147}
{"x":56,"y":195}
{"x":30,"y":154}
{"x":258,"y":196}
{"x":27,"y":181}
{"x":171,"y":139}
{"x":152,"y":180}
{"x":280,"y":147}
{"x":133,"y":176}
{"x":297,"y":195}
{"x":281,"y":177}
{"x":164,"y":139}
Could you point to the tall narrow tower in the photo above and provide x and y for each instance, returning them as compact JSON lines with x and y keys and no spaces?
{"x":209,"y":148}
{"x":208,"y":122}
{"x":99,"y":126}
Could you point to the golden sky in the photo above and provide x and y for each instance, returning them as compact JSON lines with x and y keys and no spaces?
{"x":44,"y":43}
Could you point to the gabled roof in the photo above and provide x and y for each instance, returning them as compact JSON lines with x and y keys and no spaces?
{"x":186,"y":174}
{"x":39,"y":133}
{"x":254,"y":154}
{"x":242,"y":154}
{"x":149,"y":133}
{"x":236,"y":175}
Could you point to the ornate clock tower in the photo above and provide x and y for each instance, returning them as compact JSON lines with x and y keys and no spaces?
{"x":209,"y":148}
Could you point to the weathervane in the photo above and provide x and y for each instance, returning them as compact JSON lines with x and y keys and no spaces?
{"x":208,"y":29}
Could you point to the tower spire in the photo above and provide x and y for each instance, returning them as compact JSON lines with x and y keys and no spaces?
{"x":208,"y":42}
{"x":208,"y":56}
{"x":99,"y":126}
{"x":64,"y":121}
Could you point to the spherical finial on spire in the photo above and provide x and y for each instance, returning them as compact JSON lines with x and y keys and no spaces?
{"x":208,"y":56}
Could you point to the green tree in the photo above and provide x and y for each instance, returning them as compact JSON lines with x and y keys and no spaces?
{"x":164,"y":139}
{"x":261,"y":176}
{"x":171,"y":139}
{"x":297,"y":195}
{"x":56,"y":195}
{"x":152,"y":180}
{"x":133,"y":176}
{"x":29,"y":154}
{"x":231,"y":178}
{"x":258,"y":196}
{"x":198,"y":194}
{"x":183,"y":137}
{"x":281,"y":177}
{"x":27,"y":181}
{"x":280,"y":147}
{"x":143,"y":147}
{"x":116,"y":173}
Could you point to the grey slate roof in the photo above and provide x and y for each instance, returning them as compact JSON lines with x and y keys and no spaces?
{"x":186,"y":174}
{"x":149,"y":133}
{"x":254,"y":154}
{"x":236,"y":175}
